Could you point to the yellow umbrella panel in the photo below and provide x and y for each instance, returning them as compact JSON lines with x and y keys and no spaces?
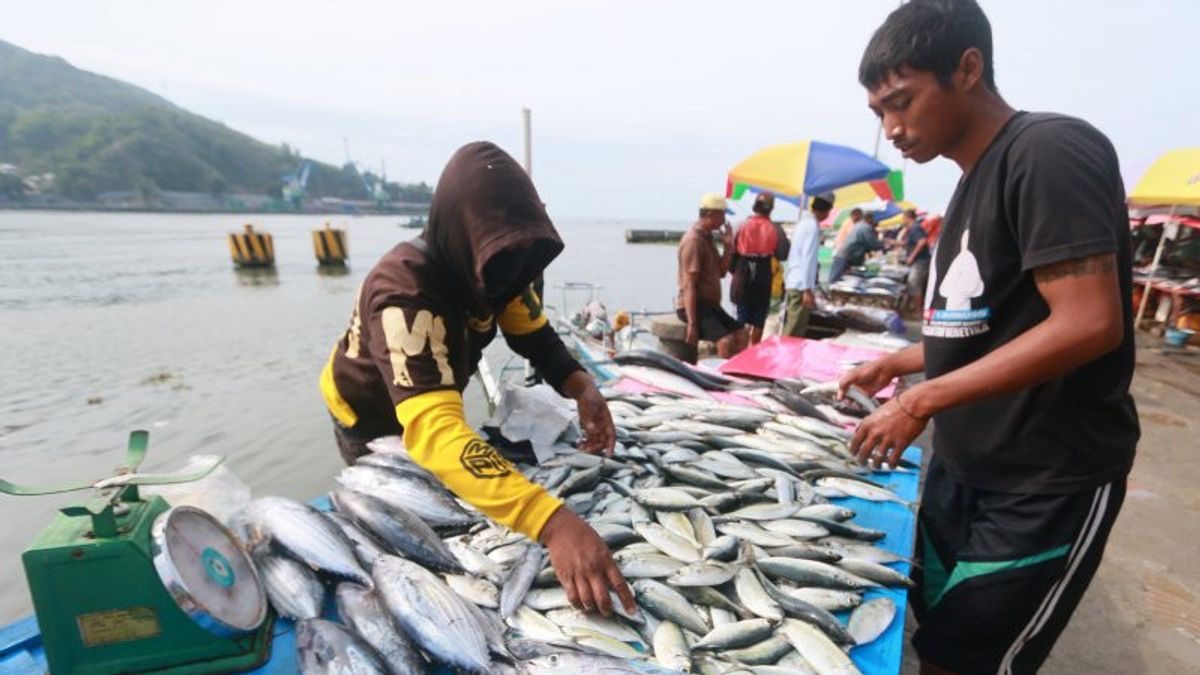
{"x":1173,"y":180}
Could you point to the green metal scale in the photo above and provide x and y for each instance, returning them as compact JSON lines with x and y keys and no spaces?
{"x":123,"y":584}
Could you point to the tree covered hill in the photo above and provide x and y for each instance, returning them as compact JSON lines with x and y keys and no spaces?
{"x":76,"y":134}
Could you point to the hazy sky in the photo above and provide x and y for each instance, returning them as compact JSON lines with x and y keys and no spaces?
{"x":639,"y":108}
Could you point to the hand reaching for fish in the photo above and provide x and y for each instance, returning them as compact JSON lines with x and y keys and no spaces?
{"x":583,"y":564}
{"x":599,"y":435}
{"x":870,"y":377}
{"x":885,"y":434}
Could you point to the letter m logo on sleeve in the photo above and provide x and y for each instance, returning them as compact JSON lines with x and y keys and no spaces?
{"x":405,"y":341}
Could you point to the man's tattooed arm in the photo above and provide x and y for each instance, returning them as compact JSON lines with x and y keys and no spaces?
{"x":1104,"y":263}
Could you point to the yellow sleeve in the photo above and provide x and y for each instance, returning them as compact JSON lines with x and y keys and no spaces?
{"x":523,"y":315}
{"x":438,"y":438}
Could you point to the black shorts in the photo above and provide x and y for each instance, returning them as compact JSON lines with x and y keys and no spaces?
{"x":714,"y":322}
{"x":754,"y":313}
{"x":1001,"y":573}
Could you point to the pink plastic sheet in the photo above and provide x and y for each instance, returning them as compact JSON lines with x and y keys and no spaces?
{"x":788,"y":357}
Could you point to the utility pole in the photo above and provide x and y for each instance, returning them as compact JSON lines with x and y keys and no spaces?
{"x":527,"y":123}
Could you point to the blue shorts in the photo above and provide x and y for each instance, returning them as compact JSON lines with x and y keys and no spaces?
{"x":753,"y":313}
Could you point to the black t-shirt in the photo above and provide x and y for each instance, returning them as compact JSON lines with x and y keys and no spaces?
{"x":1047,"y":189}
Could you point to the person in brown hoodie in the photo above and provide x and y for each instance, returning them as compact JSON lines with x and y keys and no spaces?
{"x":420,"y":322}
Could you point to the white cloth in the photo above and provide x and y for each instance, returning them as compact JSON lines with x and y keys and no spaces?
{"x":800,"y":274}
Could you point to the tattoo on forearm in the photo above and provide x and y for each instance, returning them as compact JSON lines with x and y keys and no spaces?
{"x":1079,"y":267}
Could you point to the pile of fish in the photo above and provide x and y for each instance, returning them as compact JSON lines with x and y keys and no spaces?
{"x":717,"y":514}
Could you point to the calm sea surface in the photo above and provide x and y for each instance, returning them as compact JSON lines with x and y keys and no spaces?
{"x":115,"y":322}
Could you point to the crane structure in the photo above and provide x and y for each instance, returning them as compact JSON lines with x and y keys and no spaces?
{"x":295,"y":184}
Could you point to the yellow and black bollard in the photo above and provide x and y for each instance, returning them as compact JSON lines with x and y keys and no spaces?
{"x":252,"y":249}
{"x":329,"y":245}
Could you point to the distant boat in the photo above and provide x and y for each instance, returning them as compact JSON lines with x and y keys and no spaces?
{"x":414,"y":223}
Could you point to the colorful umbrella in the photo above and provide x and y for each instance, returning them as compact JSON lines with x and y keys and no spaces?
{"x":890,"y":188}
{"x":792,"y":170}
{"x":1173,"y":180}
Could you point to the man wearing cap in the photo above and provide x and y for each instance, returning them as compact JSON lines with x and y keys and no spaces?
{"x":756,"y":242}
{"x":800,"y":275}
{"x":701,"y":268}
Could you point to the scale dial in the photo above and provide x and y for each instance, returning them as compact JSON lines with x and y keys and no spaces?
{"x":207,"y":573}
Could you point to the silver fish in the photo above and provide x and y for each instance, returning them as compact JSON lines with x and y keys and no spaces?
{"x":724,"y":548}
{"x":665,"y":499}
{"x":520,"y":579}
{"x":875,"y":572}
{"x":293,"y":589}
{"x":828,"y":599}
{"x":475,"y":590}
{"x":813,"y":573}
{"x":360,"y":609}
{"x":859,"y":489}
{"x":704,"y":573}
{"x":581,"y":663}
{"x":475,"y":561}
{"x":671,"y":647}
{"x":366,"y":547}
{"x":667,"y":604}
{"x":439,"y":621}
{"x":671,"y":543}
{"x":797,"y":529}
{"x":870,"y":619}
{"x":435,"y":507}
{"x":569,"y":617}
{"x":635,"y":565}
{"x":327,"y":648}
{"x":762,"y":653}
{"x":735,"y":635}
{"x":755,"y":598}
{"x":702,"y":526}
{"x":753,"y":534}
{"x":398,"y":528}
{"x":803,"y":611}
{"x":824,"y":656}
{"x":306,"y":535}
{"x":532,"y":624}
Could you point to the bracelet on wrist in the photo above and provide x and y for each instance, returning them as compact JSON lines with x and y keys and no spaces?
{"x":909,"y":412}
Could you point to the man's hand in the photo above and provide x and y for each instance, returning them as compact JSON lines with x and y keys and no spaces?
{"x":584,"y":566}
{"x":870,"y":377}
{"x":693,"y":334}
{"x":808,"y":299}
{"x":594,"y":417}
{"x":885,"y":434}
{"x":727,"y":236}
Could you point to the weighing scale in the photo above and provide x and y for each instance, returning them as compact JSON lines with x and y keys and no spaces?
{"x":123,"y":584}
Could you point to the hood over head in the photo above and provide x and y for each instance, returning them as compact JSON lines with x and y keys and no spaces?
{"x":488,"y":229}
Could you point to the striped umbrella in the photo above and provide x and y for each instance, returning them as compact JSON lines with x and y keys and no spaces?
{"x":792,"y":170}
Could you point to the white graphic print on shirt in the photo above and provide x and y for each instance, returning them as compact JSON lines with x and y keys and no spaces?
{"x":961,"y":283}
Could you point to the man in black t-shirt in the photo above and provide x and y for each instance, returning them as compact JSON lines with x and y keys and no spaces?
{"x":1027,"y":352}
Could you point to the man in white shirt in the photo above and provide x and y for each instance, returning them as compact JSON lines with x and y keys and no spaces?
{"x":800,"y":275}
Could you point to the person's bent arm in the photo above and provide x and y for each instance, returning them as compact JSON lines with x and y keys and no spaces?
{"x":691,"y":308}
{"x":873,"y":376}
{"x":438,"y":438}
{"x":1085,"y":322}
{"x":916,"y":252}
{"x":727,"y":253}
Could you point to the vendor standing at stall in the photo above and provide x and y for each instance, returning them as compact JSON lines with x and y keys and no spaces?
{"x":1027,"y":349}
{"x":757,"y":241}
{"x":420,"y":322}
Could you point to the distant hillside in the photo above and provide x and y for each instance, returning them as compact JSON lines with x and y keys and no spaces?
{"x":94,"y":134}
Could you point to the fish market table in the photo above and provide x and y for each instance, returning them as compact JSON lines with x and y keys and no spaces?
{"x":883,"y":656}
{"x":21,"y":649}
